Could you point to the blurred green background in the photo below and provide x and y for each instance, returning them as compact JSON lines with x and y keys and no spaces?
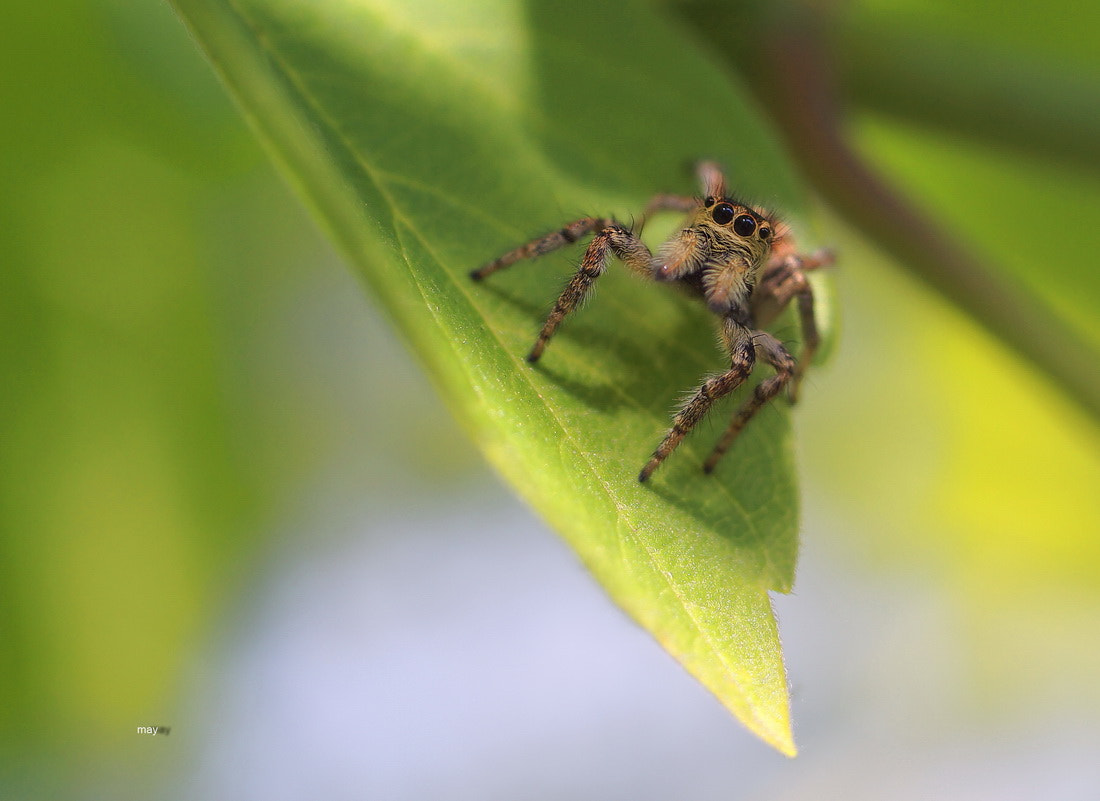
{"x":168,"y":319}
{"x":190,"y":377}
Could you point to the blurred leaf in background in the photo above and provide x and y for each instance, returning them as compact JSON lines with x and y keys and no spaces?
{"x":147,"y":250}
{"x":163,"y":304}
{"x":124,"y":487}
{"x":1013,"y":518}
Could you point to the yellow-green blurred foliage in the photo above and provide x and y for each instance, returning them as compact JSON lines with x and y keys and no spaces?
{"x":1004,"y":500}
{"x":130,"y":486}
{"x":160,"y":405}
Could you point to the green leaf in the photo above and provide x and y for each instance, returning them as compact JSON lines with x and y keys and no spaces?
{"x":430,"y":137}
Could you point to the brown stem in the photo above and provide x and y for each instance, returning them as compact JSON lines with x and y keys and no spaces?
{"x":790,"y":67}
{"x":803,"y":95}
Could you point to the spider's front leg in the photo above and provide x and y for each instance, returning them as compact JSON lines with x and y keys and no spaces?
{"x":773,"y":352}
{"x":566,"y":235}
{"x":711,"y":390}
{"x":612,"y":238}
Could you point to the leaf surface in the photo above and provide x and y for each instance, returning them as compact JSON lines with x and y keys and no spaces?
{"x":430,"y":137}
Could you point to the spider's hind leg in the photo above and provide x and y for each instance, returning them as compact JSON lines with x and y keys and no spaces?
{"x":785,"y":280}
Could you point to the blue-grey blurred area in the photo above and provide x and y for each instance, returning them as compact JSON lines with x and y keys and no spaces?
{"x":232,"y":505}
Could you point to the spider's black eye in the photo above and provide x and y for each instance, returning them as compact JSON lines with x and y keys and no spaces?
{"x":744,"y":225}
{"x":722,"y":213}
{"x":708,"y":202}
{"x":765,"y":232}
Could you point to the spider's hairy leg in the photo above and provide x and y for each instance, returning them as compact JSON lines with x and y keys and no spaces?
{"x":664,"y":202}
{"x":566,"y":235}
{"x":711,"y":390}
{"x":613,"y":239}
{"x":712,"y":182}
{"x":785,"y":280}
{"x":811,"y":339}
{"x":711,"y":178}
{"x":773,"y":352}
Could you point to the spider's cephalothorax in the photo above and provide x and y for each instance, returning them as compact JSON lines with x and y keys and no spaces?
{"x":737,"y":258}
{"x":719,"y":251}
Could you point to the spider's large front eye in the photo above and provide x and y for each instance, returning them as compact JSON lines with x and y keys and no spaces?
{"x":744,"y":225}
{"x":722,"y":213}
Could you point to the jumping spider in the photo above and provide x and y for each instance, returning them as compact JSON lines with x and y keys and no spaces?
{"x":736,"y":257}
